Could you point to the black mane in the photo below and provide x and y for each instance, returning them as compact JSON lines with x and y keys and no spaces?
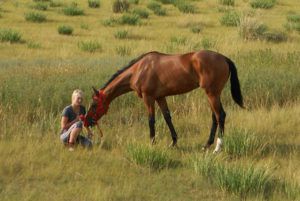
{"x":123,"y":69}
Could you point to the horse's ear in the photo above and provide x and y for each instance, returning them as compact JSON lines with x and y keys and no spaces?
{"x":96,"y":92}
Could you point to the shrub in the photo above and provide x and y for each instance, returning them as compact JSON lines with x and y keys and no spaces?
{"x":141,"y":12}
{"x":40,"y":6}
{"x":265,"y":4}
{"x":123,"y":50}
{"x":130,"y":19}
{"x":9,"y":35}
{"x":121,"y":34}
{"x":120,"y":6}
{"x":73,"y":10}
{"x":35,"y":17}
{"x":251,"y":29}
{"x":90,"y":46}
{"x":65,"y":30}
{"x":94,"y":3}
{"x":275,"y":36}
{"x":227,"y":2}
{"x":230,"y":18}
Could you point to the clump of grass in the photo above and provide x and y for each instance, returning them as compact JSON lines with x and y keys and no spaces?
{"x":73,"y":10}
{"x":94,"y":3}
{"x":33,"y":45}
{"x":275,"y":36}
{"x":167,"y":1}
{"x":35,"y":17}
{"x":120,"y":6}
{"x":65,"y":30}
{"x":230,"y":18}
{"x":84,"y":26}
{"x":123,"y":50}
{"x":9,"y":35}
{"x":55,"y":3}
{"x":227,"y":2}
{"x":157,"y":8}
{"x":141,"y":12}
{"x":293,"y":22}
{"x":152,"y":158}
{"x":90,"y":46}
{"x":121,"y":34}
{"x":196,"y":29}
{"x":111,"y":21}
{"x":134,"y":1}
{"x":239,"y":180}
{"x":207,"y":43}
{"x":178,"y":40}
{"x":130,"y":19}
{"x":240,"y":143}
{"x":293,"y":18}
{"x":265,"y":4}
{"x":185,"y":7}
{"x":40,"y":6}
{"x":251,"y":29}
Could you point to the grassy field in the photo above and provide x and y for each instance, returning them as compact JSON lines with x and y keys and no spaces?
{"x":46,"y":53}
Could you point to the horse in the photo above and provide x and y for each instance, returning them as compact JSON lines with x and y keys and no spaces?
{"x":154,"y":76}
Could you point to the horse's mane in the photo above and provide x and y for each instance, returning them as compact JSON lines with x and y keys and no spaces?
{"x":123,"y":69}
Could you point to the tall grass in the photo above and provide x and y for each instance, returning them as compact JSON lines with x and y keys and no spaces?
{"x":90,"y":46}
{"x":10,"y":35}
{"x":35,"y":17}
{"x":265,"y":4}
{"x":73,"y":10}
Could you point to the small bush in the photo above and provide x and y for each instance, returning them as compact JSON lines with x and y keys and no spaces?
{"x":90,"y":46}
{"x":227,"y":2}
{"x":55,"y":3}
{"x":275,"y":36}
{"x":141,"y":12}
{"x":231,"y":18}
{"x":265,"y":4}
{"x":120,"y":6}
{"x":123,"y":50}
{"x":9,"y":35}
{"x":121,"y":34}
{"x":40,"y":6}
{"x":35,"y":17}
{"x":149,"y":157}
{"x":251,"y":29}
{"x":94,"y":3}
{"x":130,"y":19}
{"x":65,"y":30}
{"x":73,"y":11}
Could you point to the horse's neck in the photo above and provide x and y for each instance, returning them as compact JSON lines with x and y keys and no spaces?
{"x":119,"y":86}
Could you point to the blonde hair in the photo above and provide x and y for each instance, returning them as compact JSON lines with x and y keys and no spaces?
{"x":76,"y":93}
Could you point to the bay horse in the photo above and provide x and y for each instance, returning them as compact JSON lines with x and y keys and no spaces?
{"x":154,"y":76}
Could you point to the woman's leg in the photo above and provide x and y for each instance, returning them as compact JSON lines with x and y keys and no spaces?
{"x":75,"y":132}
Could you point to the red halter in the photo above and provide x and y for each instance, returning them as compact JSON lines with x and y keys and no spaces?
{"x":94,"y":115}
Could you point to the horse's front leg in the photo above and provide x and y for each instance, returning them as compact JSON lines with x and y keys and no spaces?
{"x":150,"y":105}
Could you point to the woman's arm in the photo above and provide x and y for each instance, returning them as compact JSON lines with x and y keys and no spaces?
{"x":64,"y":122}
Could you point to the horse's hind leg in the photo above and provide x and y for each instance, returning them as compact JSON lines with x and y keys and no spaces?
{"x":165,"y":110}
{"x":150,"y":102}
{"x":213,"y":130}
{"x":220,"y":115}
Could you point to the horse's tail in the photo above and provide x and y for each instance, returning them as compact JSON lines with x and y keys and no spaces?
{"x":235,"y":84}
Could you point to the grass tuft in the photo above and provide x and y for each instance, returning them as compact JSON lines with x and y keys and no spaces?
{"x":90,"y":46}
{"x":130,"y":19}
{"x":121,"y":34}
{"x":33,"y":45}
{"x":142,"y":13}
{"x":185,"y":6}
{"x":120,"y":6}
{"x":123,"y":50}
{"x":35,"y":17}
{"x":275,"y":36}
{"x":73,"y":10}
{"x":227,"y":2}
{"x":251,"y":29}
{"x":94,"y":3}
{"x":40,"y":6}
{"x":9,"y":35}
{"x":265,"y":4}
{"x":230,"y":18}
{"x":157,"y":8}
{"x":65,"y":30}
{"x":55,"y":3}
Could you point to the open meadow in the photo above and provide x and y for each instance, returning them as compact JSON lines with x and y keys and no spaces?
{"x":48,"y":48}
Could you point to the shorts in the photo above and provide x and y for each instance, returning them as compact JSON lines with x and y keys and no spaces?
{"x":84,"y":141}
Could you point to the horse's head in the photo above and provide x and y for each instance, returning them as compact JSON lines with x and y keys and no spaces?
{"x":97,"y":109}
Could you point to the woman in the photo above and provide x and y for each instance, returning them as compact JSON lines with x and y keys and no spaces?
{"x":71,"y":123}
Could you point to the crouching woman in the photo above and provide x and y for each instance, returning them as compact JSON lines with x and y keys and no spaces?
{"x":72,"y":125}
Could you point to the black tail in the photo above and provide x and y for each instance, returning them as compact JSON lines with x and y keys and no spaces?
{"x":235,"y":84}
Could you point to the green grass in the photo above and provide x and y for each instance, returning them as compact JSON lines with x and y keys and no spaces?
{"x":227,"y":2}
{"x":65,"y":30}
{"x":35,"y":17}
{"x":94,"y":3}
{"x":10,"y":35}
{"x":73,"y":11}
{"x":265,"y":4}
{"x":39,"y":72}
{"x":141,"y":12}
{"x":230,"y":18}
{"x":120,"y":6}
{"x":40,"y":6}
